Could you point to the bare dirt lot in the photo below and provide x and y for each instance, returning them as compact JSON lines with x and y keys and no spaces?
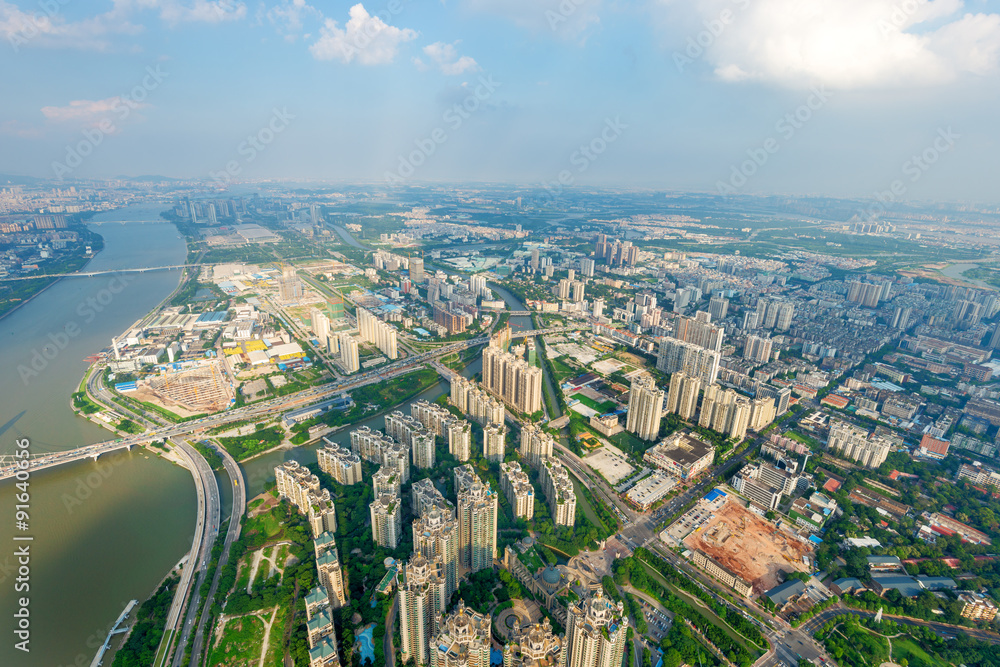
{"x":749,"y":547}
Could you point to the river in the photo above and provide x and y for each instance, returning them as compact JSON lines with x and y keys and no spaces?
{"x":106,"y":532}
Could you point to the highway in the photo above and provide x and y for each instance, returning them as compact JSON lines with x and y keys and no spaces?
{"x":201,"y":554}
{"x":187,"y":572}
{"x":238,"y":485}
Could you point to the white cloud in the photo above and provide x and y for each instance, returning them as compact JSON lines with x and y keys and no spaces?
{"x":365,"y":38}
{"x":50,"y":29}
{"x":447,"y":59}
{"x":288,"y":17}
{"x":90,"y":113}
{"x":839,"y":43}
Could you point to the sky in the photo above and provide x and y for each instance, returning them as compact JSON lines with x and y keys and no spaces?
{"x":843,"y":98}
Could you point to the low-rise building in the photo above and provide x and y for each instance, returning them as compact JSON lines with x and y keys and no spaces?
{"x":707,"y":563}
{"x":978,"y":607}
{"x":683,"y":455}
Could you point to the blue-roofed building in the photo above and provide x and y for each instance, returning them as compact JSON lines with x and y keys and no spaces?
{"x":714,"y":495}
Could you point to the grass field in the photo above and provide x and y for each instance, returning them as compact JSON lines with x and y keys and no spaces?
{"x":240,"y":643}
{"x":908,"y":649}
{"x":583,"y":504}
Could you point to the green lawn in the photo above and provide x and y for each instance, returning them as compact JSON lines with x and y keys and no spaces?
{"x":909,"y":649}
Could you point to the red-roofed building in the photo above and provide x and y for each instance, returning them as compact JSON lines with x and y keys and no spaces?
{"x":933,"y":448}
{"x":835,"y":401}
{"x":831,"y":485}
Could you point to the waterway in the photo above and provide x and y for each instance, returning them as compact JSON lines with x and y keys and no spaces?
{"x":106,"y":532}
{"x":957,"y":272}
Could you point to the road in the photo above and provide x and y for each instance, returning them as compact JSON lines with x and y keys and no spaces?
{"x":208,"y":520}
{"x":190,"y":567}
{"x":390,"y":627}
{"x":238,"y":485}
{"x":941,"y":629}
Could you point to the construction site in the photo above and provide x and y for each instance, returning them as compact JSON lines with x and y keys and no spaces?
{"x":749,"y":547}
{"x":185,"y":393}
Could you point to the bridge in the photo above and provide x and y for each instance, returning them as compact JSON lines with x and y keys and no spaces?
{"x":91,"y":274}
{"x":36,"y":462}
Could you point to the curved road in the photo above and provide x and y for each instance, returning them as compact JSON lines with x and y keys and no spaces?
{"x":233,"y":534}
{"x":942,"y":629}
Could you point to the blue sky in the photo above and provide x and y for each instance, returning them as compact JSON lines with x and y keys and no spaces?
{"x":831,"y":97}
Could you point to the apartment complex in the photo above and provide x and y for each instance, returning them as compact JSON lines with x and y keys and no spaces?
{"x":387,"y":520}
{"x":422,"y":601}
{"x":476,"y":402}
{"x":477,"y":520}
{"x":725,"y":411}
{"x":436,"y":537}
{"x":559,"y":491}
{"x":699,"y":331}
{"x":512,"y":380}
{"x":596,"y":629}
{"x":682,"y":399}
{"x":412,"y":433}
{"x":645,"y":408}
{"x":375,"y":331}
{"x":536,"y":444}
{"x":857,"y":444}
{"x":302,"y":489}
{"x":329,"y":569}
{"x":533,"y":645}
{"x":677,"y":355}
{"x":518,"y":489}
{"x":425,"y":496}
{"x":494,"y":442}
{"x":463,"y":640}
{"x":339,"y":462}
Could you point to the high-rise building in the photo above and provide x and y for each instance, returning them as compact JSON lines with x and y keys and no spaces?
{"x":577,"y":289}
{"x":387,"y":481}
{"x":645,"y":408}
{"x":516,"y":486}
{"x":476,"y":402}
{"x":477,"y":284}
{"x":725,"y":411}
{"x":416,"y":270}
{"x":534,"y":259}
{"x":597,"y":309}
{"x":375,"y":331}
{"x":425,"y":497}
{"x":477,"y":520}
{"x":212,"y":220}
{"x":349,"y":356}
{"x":460,"y":439}
{"x":562,"y":290}
{"x":718,"y":308}
{"x":536,"y":444}
{"x":329,"y":570}
{"x":559,"y":491}
{"x":194,"y":215}
{"x":463,"y":640}
{"x":339,"y":462}
{"x":855,"y":443}
{"x":320,"y":325}
{"x":436,"y":537}
{"x":867,"y":294}
{"x":596,"y":630}
{"x":387,"y":520}
{"x":512,"y":380}
{"x":587,"y":267}
{"x":677,"y":355}
{"x":682,"y":398}
{"x":901,"y":317}
{"x":302,"y":489}
{"x":757,"y":349}
{"x":750,"y":319}
{"x":422,"y":601}
{"x":699,"y":330}
{"x":762,"y":413}
{"x":494,"y":442}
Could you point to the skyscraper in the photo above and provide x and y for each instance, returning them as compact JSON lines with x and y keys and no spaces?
{"x":518,"y":489}
{"x":559,"y":491}
{"x":381,"y":334}
{"x":677,"y":355}
{"x":417,"y":270}
{"x":536,"y":444}
{"x":596,"y":630}
{"x":682,"y":398}
{"x":422,"y":601}
{"x":436,"y":537}
{"x":477,"y":520}
{"x":329,"y":570}
{"x":349,"y":356}
{"x":512,"y":380}
{"x":758,"y":349}
{"x":494,"y":442}
{"x":699,"y":330}
{"x":387,"y":520}
{"x":718,"y":308}
{"x":645,"y":408}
